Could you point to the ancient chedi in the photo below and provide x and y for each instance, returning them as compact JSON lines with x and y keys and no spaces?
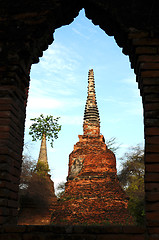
{"x":40,"y":198}
{"x":92,"y":191}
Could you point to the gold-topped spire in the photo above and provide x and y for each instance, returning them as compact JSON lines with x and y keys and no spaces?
{"x":91,"y":123}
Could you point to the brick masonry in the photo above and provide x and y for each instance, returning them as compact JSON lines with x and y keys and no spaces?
{"x":92,"y":193}
{"x":41,"y":198}
{"x":26,"y":30}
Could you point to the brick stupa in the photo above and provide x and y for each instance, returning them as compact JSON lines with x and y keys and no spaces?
{"x":92,"y":191}
{"x":40,"y":198}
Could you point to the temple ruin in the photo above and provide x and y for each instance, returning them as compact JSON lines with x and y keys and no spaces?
{"x":93,"y":194}
{"x":26,"y":30}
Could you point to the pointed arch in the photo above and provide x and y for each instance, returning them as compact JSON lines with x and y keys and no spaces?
{"x":26,"y":31}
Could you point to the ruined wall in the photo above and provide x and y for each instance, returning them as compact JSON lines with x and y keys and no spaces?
{"x":72,"y":233}
{"x":25,"y":32}
{"x":92,"y":193}
{"x":38,"y":202}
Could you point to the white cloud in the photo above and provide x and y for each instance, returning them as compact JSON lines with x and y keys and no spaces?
{"x":46,"y":103}
{"x":80,"y":34}
{"x":59,"y":58}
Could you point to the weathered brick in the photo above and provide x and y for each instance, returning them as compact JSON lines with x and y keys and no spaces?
{"x":152,"y":223}
{"x":154,"y":148}
{"x":36,"y":235}
{"x":138,"y":35}
{"x":146,"y":50}
{"x":151,"y":106}
{"x":152,"y":207}
{"x":151,"y":73}
{"x":6,"y":193}
{"x":151,"y":177}
{"x":92,"y":193}
{"x":9,"y":185}
{"x":152,"y":167}
{"x":152,"y":196}
{"x":151,"y":122}
{"x":3,"y":220}
{"x":146,"y":42}
{"x":150,"y":89}
{"x":148,"y":66}
{"x":121,"y":236}
{"x":12,"y":203}
{"x":4,"y":211}
{"x":152,"y":97}
{"x":153,"y":187}
{"x":152,"y":139}
{"x":153,"y":230}
{"x":9,"y":236}
{"x":153,"y":215}
{"x":133,"y":229}
{"x":152,"y":158}
{"x":14,"y":229}
{"x":151,"y":131}
{"x":154,"y":237}
{"x":148,"y":58}
{"x":149,"y":81}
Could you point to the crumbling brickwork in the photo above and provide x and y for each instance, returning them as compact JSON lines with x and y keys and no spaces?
{"x":92,"y":192}
{"x":39,"y":199}
{"x":26,"y":30}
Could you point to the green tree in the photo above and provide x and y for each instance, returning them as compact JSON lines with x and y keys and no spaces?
{"x":48,"y":127}
{"x":131,"y":178}
{"x":44,"y":128}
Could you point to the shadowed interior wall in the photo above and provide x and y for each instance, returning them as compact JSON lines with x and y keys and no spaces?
{"x":26,"y":30}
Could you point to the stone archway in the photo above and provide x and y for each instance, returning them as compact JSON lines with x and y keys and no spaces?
{"x":26,"y":31}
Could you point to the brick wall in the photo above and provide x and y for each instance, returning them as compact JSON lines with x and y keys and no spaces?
{"x":145,"y":60}
{"x":72,"y":233}
{"x":12,"y":116}
{"x":93,"y":194}
{"x":25,"y":32}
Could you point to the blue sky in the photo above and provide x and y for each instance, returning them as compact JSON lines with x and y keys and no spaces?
{"x":59,"y":88}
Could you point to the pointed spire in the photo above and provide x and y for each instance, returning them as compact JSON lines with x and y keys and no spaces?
{"x":42,"y":164}
{"x":91,"y":123}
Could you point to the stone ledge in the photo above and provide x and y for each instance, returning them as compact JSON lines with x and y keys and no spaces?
{"x":70,"y":229}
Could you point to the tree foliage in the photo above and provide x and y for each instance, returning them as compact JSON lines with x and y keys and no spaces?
{"x":47,"y":126}
{"x":132,"y":167}
{"x":131,"y":178}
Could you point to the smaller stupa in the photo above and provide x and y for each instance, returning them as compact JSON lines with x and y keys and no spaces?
{"x":93,"y":194}
{"x":40,"y":196}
